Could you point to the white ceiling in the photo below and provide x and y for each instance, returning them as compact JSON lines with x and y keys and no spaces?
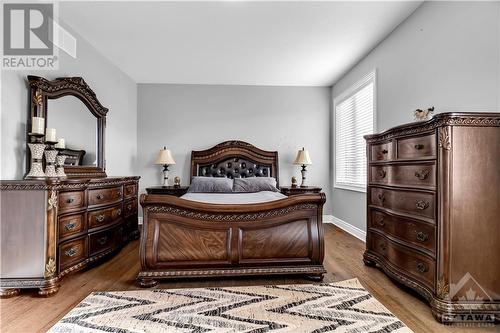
{"x":235,"y":42}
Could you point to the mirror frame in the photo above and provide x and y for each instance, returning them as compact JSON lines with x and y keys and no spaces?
{"x":41,"y":90}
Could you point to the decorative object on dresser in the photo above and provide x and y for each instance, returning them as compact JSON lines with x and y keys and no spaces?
{"x":420,"y":115}
{"x":293,"y":190}
{"x":165,"y":158}
{"x":433,"y":210}
{"x":177,"y":191}
{"x":294,"y":181}
{"x":186,"y":238}
{"x":56,"y":226}
{"x":177,"y":181}
{"x":304,"y":160}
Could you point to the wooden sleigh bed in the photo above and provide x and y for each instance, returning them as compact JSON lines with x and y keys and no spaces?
{"x":184,"y":238}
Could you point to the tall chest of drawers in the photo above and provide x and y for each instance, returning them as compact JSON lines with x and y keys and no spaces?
{"x":433,"y":211}
{"x":52,"y":228}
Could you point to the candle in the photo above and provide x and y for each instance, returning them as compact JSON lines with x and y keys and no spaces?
{"x":61,"y":144}
{"x":50,"y":134}
{"x":37,"y":125}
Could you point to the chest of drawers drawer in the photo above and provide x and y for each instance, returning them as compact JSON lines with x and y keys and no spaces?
{"x":415,"y":232}
{"x":416,"y":175}
{"x":71,"y":225}
{"x":130,"y":207}
{"x":105,"y":196}
{"x":381,"y":152}
{"x":106,"y":216}
{"x":104,"y":240}
{"x":130,"y":191}
{"x":72,"y":252}
{"x":416,"y":203}
{"x":417,"y":265}
{"x":417,"y":147}
{"x":69,"y":201}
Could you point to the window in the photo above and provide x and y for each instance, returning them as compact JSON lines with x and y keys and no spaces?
{"x":354,"y":117}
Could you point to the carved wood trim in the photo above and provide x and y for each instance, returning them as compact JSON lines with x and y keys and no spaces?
{"x":444,"y":138}
{"x":439,"y":120}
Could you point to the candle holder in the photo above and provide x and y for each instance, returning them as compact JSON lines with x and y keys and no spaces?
{"x":50,"y":159}
{"x":60,"y":159}
{"x":36,"y":147}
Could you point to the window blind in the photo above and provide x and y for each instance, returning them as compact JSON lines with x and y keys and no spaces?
{"x":354,"y":118}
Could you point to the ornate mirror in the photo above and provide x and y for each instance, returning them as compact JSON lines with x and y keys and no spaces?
{"x":72,"y":108}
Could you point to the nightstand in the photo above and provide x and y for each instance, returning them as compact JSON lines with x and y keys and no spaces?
{"x":168,"y":190}
{"x":289,"y":190}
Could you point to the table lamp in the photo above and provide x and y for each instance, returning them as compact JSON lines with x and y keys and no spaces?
{"x":165,"y":158}
{"x":304,"y":160}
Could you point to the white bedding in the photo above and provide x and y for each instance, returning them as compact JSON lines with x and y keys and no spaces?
{"x":234,"y":198}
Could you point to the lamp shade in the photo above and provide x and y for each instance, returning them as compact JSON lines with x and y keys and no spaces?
{"x":165,"y":157}
{"x":302,"y":158}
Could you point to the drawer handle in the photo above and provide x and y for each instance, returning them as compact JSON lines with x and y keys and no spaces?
{"x":70,"y":200}
{"x":100,"y":218}
{"x":69,"y":226}
{"x":99,"y":196}
{"x":381,"y":222}
{"x":421,"y":267}
{"x":381,"y":197}
{"x":421,"y":204}
{"x":383,"y":247}
{"x":129,"y":207}
{"x":384,"y":151}
{"x":118,"y":212}
{"x":422,"y":174}
{"x":381,"y":173}
{"x":71,"y":252}
{"x":102,"y":240}
{"x":422,"y":237}
{"x":419,"y":146}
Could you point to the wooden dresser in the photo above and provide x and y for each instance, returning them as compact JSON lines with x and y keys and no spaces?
{"x":50,"y":228}
{"x":433,"y":219}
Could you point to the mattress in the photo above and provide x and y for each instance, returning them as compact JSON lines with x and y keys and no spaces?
{"x":234,"y":198}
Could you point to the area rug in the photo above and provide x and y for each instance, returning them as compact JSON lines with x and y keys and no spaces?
{"x":339,"y":307}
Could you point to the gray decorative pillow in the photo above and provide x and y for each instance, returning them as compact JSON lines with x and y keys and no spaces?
{"x":255,"y":184}
{"x":211,"y":185}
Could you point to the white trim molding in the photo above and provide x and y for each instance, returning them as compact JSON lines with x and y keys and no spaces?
{"x":347,"y":227}
{"x":139,"y":220}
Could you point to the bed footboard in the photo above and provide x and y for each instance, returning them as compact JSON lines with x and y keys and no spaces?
{"x":182,"y":238}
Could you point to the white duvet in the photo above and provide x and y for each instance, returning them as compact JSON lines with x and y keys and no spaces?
{"x":234,"y":198}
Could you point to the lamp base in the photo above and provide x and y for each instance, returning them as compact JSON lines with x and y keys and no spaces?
{"x":165,"y":175}
{"x":303,"y":172}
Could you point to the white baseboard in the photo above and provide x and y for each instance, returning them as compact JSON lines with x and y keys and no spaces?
{"x":349,"y":228}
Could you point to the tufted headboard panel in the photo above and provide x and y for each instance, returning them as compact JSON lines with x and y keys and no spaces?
{"x":234,"y":159}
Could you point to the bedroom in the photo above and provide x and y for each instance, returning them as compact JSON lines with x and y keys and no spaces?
{"x":257,"y":82}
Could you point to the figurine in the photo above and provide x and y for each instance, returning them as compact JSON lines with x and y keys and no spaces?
{"x":177,"y":181}
{"x":423,"y":114}
{"x":294,"y":181}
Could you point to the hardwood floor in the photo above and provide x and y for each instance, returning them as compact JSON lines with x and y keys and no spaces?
{"x":343,"y":260}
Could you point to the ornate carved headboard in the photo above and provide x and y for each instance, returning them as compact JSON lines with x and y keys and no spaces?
{"x":234,"y":159}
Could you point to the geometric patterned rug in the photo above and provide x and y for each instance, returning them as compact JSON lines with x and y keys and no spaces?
{"x":344,"y":307}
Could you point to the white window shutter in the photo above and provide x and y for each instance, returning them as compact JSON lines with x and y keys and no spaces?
{"x":354,"y":115}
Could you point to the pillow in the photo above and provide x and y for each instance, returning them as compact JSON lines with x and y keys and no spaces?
{"x":255,"y":184}
{"x":211,"y":185}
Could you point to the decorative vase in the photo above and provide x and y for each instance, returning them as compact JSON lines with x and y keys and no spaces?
{"x":60,"y":166}
{"x":36,"y":170}
{"x":50,"y":163}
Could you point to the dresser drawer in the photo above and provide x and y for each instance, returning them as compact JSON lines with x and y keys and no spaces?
{"x":105,"y":196}
{"x":413,"y":263}
{"x":72,"y":252}
{"x":381,"y":152}
{"x":420,"y":175}
{"x":71,"y":225}
{"x":417,"y":147}
{"x":415,"y":232}
{"x":130,"y":191}
{"x":104,"y":240}
{"x":409,"y":202}
{"x":71,"y":201}
{"x":130,"y":207}
{"x":102,"y":217}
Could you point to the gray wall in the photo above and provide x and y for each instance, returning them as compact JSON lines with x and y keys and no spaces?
{"x":446,"y":54}
{"x":115,"y":90}
{"x":194,"y":117}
